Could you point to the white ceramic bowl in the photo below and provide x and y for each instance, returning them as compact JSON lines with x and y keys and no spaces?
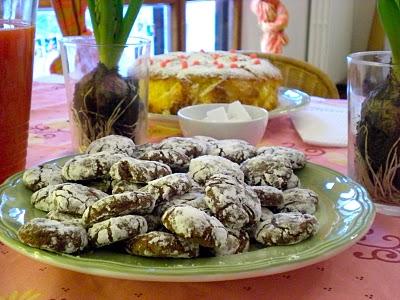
{"x":191,"y":123}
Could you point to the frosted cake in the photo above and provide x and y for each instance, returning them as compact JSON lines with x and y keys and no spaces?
{"x":179,"y":79}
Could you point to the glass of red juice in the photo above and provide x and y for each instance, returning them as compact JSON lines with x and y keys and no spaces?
{"x":17,"y":31}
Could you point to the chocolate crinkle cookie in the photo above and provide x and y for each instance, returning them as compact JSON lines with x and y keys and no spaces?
{"x":138,"y":171}
{"x":42,"y":176}
{"x":162,"y":244}
{"x":123,"y":186}
{"x":286,"y":229}
{"x":196,"y":225}
{"x":168,"y":186}
{"x":203,"y":167}
{"x":74,"y":198}
{"x":233,"y":203}
{"x":268,"y":170}
{"x":53,"y":235}
{"x":176,"y":160}
{"x":138,"y":203}
{"x":238,"y":241}
{"x":90,"y":166}
{"x":116,"y":229}
{"x":194,"y":199}
{"x":269,"y":196}
{"x":304,"y":201}
{"x":234,"y":150}
{"x":103,"y":184}
{"x":64,"y":217}
{"x":297,"y":158}
{"x":112,"y":144}
{"x":189,"y":146}
{"x":42,"y":199}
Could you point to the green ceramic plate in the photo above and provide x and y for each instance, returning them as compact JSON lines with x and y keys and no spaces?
{"x":345,"y":214}
{"x":289,"y":100}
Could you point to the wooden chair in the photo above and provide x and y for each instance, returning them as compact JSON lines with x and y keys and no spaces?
{"x":303,"y":76}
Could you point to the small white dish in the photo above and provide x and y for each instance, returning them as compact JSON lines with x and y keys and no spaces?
{"x":192,"y":123}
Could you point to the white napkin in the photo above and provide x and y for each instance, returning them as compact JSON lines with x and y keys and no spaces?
{"x":323,"y":122}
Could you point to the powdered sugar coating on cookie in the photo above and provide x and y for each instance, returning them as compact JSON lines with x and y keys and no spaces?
{"x":232,"y":149}
{"x":41,"y":176}
{"x":238,"y":241}
{"x":304,"y":201}
{"x":168,"y":186}
{"x":162,"y":244}
{"x":53,"y":235}
{"x":267,"y":170}
{"x":74,"y":198}
{"x":193,"y":224}
{"x":203,"y":167}
{"x":223,"y":196}
{"x":42,"y":200}
{"x":188,"y":146}
{"x":112,"y":144}
{"x":297,"y":158}
{"x":177,"y":160}
{"x":90,"y":166}
{"x":138,"y":171}
{"x":116,"y":229}
{"x":286,"y":229}
{"x":269,"y":196}
{"x":119,"y":205}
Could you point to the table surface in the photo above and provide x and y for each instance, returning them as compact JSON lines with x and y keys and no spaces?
{"x":368,"y":270}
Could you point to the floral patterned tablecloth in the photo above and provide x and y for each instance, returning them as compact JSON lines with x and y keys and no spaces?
{"x":368,"y":270}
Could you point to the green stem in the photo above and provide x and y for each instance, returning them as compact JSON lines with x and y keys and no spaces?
{"x":111,"y":28}
{"x":129,"y":20}
{"x":389,"y":13}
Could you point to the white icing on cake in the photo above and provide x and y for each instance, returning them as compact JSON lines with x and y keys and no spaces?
{"x":212,"y":64}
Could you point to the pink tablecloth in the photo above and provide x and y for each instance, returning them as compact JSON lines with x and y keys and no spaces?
{"x":368,"y":270}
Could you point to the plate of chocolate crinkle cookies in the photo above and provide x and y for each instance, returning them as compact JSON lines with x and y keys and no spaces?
{"x":184,"y":209}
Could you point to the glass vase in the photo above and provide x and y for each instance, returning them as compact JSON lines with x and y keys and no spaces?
{"x":107,"y":88}
{"x":374,"y":127}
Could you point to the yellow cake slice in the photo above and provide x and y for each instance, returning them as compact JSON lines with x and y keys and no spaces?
{"x":179,"y":79}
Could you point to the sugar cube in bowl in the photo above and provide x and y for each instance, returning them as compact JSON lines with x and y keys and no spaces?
{"x":224,"y":121}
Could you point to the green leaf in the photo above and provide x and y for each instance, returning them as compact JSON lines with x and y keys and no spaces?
{"x":111,"y":28}
{"x":389,"y":13}
{"x":129,"y":20}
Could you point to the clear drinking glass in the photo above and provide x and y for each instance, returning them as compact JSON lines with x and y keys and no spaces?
{"x":17,"y":31}
{"x":374,"y":127}
{"x":104,"y":101}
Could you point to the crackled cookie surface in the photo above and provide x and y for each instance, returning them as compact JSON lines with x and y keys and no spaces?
{"x":90,"y":166}
{"x":168,"y":186}
{"x":268,"y":170}
{"x":41,"y":176}
{"x":234,"y":150}
{"x":196,"y":225}
{"x":53,"y":235}
{"x":299,"y":200}
{"x":138,"y":171}
{"x":176,"y":160}
{"x":189,"y":146}
{"x":118,"y":205}
{"x":296,"y":157}
{"x":286,"y":229}
{"x":74,"y":198}
{"x":162,"y":244}
{"x":112,"y":144}
{"x":203,"y":167}
{"x":116,"y":229}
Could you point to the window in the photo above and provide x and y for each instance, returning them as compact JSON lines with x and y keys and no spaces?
{"x":171,"y":25}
